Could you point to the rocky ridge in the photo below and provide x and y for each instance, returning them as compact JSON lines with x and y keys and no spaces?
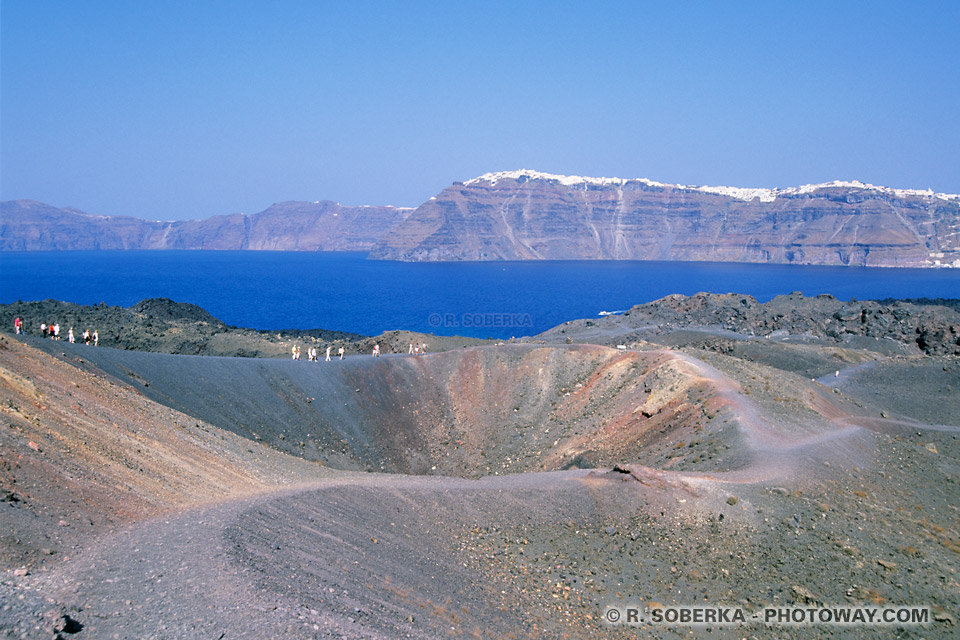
{"x":163,"y":326}
{"x":929,"y":327}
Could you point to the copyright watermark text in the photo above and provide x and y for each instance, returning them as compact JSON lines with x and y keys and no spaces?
{"x":480,"y":319}
{"x":796,"y":616}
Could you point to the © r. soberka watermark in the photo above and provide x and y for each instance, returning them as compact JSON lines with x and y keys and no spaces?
{"x":681,"y":615}
{"x":480,"y":319}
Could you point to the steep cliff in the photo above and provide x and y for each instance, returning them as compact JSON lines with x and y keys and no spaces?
{"x":526,"y":215}
{"x":26,"y":225}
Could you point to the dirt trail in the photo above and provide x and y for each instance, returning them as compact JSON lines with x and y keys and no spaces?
{"x":319,"y":562}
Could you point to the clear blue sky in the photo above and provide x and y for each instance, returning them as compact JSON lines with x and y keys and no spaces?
{"x":173,"y":110}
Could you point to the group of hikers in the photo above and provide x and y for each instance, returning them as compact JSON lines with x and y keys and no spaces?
{"x":418,"y":349}
{"x":313,"y":354}
{"x":52,"y":331}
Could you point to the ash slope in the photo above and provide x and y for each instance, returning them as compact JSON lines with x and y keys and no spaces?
{"x":528,"y":215}
{"x":736,"y":482}
{"x":82,"y":453}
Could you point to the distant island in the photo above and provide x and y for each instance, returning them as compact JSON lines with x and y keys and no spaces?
{"x":528,"y":215}
{"x":27,"y":225}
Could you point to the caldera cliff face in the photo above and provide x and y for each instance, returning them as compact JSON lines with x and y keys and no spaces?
{"x":526,"y":215}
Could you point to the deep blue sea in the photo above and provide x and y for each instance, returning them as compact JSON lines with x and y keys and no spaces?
{"x":343,"y":291}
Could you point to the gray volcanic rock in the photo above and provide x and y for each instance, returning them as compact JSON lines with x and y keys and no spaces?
{"x":929,"y":326}
{"x":26,"y":225}
{"x":526,"y":215}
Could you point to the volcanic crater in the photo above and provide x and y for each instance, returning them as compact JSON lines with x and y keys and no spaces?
{"x":464,"y":413}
